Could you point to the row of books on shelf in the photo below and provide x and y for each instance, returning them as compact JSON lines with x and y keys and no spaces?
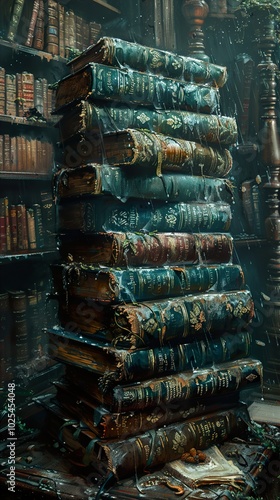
{"x":23,"y":154}
{"x":48,"y":26}
{"x":23,"y":318}
{"x":20,"y":93}
{"x":26,"y":228}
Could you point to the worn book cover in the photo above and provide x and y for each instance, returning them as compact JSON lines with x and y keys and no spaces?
{"x":155,"y":152}
{"x":85,"y":118}
{"x":114,"y":365}
{"x":123,"y":183}
{"x":121,"y":53}
{"x":97,"y":81}
{"x":150,"y":250}
{"x":91,"y":215}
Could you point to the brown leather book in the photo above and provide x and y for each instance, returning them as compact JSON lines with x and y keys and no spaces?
{"x":61,"y":30}
{"x":3,"y":234}
{"x":1,"y":153}
{"x":19,"y":98}
{"x":33,"y":20}
{"x":27,"y":91}
{"x":38,"y":41}
{"x":19,"y":326}
{"x":13,"y":154}
{"x":31,"y":229}
{"x":51,"y":27}
{"x":7,"y":153}
{"x":8,"y":225}
{"x":2,"y":91}
{"x":22,"y":227}
{"x":11,"y":95}
{"x":14,"y":230}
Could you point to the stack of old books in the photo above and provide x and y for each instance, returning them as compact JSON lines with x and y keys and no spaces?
{"x":154,"y":315}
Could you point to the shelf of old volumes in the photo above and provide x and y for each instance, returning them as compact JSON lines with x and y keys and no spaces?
{"x":25,"y":176}
{"x":30,"y":255}
{"x":21,"y":120}
{"x":33,"y":52}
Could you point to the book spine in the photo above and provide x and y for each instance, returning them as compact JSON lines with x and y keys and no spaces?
{"x":8,"y":225}
{"x":1,"y":153}
{"x":3,"y":233}
{"x":102,"y":179}
{"x":48,"y":218}
{"x":19,"y":99}
{"x":186,"y":125}
{"x":20,"y":326}
{"x":2,"y":91}
{"x":91,"y":216}
{"x":119,"y":53}
{"x":79,"y":35}
{"x":97,"y":81}
{"x":14,"y":229}
{"x":70,"y":42}
{"x":172,"y":441}
{"x":51,"y":31}
{"x":180,"y":318}
{"x":85,"y":34}
{"x":38,"y":41}
{"x":31,"y":229}
{"x":22,"y":227}
{"x":33,"y":323}
{"x":172,"y":389}
{"x":94,"y":32}
{"x":7,"y":153}
{"x":61,"y":30}
{"x":14,"y":22}
{"x":11,"y":95}
{"x":128,"y":249}
{"x":109,"y":286}
{"x":38,"y":96}
{"x":13,"y":154}
{"x":39,"y":229}
{"x":33,"y":20}
{"x":27,"y":91}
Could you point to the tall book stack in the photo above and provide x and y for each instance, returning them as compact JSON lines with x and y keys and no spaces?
{"x":154,"y":315}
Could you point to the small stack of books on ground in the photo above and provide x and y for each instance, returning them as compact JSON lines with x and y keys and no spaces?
{"x":154,"y":315}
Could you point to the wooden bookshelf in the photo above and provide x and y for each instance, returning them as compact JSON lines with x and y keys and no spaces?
{"x":31,"y":52}
{"x":20,"y":120}
{"x":27,"y":256}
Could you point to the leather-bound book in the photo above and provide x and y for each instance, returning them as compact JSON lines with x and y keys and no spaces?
{"x":3,"y":234}
{"x":119,"y":424}
{"x":153,"y":151}
{"x":85,"y":34}
{"x":45,"y":97}
{"x":126,"y":456}
{"x":97,"y":81}
{"x":14,"y":230}
{"x":61,"y":30}
{"x":70,"y":32}
{"x":19,"y":98}
{"x":79,"y":33}
{"x":51,"y":28}
{"x":94,"y":32}
{"x":31,"y":229}
{"x":38,"y":41}
{"x":32,"y":24}
{"x":14,"y":154}
{"x":170,"y":391}
{"x":85,"y":118}
{"x":18,"y":303}
{"x":22,"y":227}
{"x":122,"y":183}
{"x":2,"y":91}
{"x":1,"y":153}
{"x":15,"y":18}
{"x":130,"y":249}
{"x":11,"y":95}
{"x":120,"y":53}
{"x":114,"y":365}
{"x":39,"y":228}
{"x":7,"y":153}
{"x":8,"y":225}
{"x":92,"y":215}
{"x":109,"y":285}
{"x":27,"y":91}
{"x":38,"y":96}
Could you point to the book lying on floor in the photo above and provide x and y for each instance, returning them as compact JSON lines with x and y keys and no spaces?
{"x":107,"y":285}
{"x":122,"y":183}
{"x":119,"y":424}
{"x":215,"y":470}
{"x":97,"y":81}
{"x":86,"y":118}
{"x":92,"y":214}
{"x":121,"y":53}
{"x":149,"y":250}
{"x":117,"y":365}
{"x":137,"y":453}
{"x":155,"y":152}
{"x":169,"y":391}
{"x":158,"y":322}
